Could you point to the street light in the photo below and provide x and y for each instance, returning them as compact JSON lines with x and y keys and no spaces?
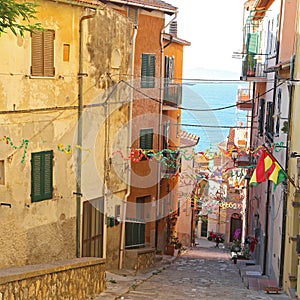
{"x":234,"y":155}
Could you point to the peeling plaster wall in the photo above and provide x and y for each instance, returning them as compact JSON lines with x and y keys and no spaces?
{"x":45,"y":231}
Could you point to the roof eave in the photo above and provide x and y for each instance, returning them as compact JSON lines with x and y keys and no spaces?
{"x":145,"y":6}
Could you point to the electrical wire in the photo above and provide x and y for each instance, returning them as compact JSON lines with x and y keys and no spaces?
{"x":197,"y":109}
{"x":211,"y":126}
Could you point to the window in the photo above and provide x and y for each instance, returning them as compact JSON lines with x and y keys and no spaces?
{"x":169,"y":67}
{"x":140,"y":204}
{"x":66,"y":52}
{"x":41,"y":175}
{"x":166,"y":135}
{"x":261,"y":116}
{"x":278,"y":112}
{"x":2,"y":173}
{"x":42,"y":53}
{"x":148,"y":70}
{"x":146,"y":139}
{"x":92,"y":228}
{"x":270,"y":121}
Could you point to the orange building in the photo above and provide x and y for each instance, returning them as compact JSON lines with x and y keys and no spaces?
{"x":152,"y":200}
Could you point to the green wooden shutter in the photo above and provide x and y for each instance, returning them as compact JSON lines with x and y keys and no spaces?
{"x":146,"y":139}
{"x":253,"y":42}
{"x":148,"y":70}
{"x":41,"y":175}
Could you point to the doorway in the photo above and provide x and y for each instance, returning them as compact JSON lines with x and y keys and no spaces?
{"x":235,"y":223}
{"x":92,"y":228}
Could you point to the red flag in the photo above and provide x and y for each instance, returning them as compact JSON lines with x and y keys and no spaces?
{"x":263,"y":165}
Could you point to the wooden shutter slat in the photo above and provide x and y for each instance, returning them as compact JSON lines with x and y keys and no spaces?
{"x":37,"y":54}
{"x":41,"y":176}
{"x":146,"y":139}
{"x":42,"y":53}
{"x":49,"y":53}
{"x":47,"y":176}
{"x":36,"y":177}
{"x":152,"y":60}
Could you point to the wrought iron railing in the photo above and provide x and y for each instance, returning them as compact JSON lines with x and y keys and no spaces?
{"x":135,"y":233}
{"x":172,"y":94}
{"x":253,"y":68}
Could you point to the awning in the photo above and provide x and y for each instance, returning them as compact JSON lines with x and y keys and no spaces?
{"x":285,"y":65}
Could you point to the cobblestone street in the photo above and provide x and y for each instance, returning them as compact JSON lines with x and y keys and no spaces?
{"x":202,"y":272}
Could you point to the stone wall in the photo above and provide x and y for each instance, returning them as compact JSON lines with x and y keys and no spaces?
{"x":139,"y":259}
{"x":80,"y":278}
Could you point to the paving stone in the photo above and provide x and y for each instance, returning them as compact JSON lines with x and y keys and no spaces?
{"x":202,"y":272}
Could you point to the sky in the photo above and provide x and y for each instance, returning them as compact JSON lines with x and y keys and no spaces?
{"x":214,"y":28}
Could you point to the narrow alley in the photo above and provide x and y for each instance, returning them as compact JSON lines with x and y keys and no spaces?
{"x":202,"y":272}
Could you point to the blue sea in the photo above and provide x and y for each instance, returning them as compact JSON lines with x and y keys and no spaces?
{"x":207,"y":96}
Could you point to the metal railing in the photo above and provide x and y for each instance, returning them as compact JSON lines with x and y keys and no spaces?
{"x":172,"y":94}
{"x":135,"y":233}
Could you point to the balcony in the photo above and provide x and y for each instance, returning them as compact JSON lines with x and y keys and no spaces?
{"x":243,"y":100}
{"x":172,"y":94}
{"x":253,"y":69}
{"x":171,"y":163}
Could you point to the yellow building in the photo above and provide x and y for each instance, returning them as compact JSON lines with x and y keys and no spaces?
{"x":62,"y":104}
{"x":291,"y":278}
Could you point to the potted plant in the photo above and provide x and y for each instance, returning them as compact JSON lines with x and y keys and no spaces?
{"x":251,"y":64}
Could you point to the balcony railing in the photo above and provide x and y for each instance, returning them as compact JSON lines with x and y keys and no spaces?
{"x":135,"y":233}
{"x":171,"y":163}
{"x":243,"y":99}
{"x":172,"y":94}
{"x":253,"y":68}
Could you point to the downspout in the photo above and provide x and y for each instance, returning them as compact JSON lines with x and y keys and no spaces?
{"x":251,"y":147}
{"x":160,"y":124}
{"x":284,"y":207}
{"x":266,"y":229}
{"x":79,"y":133}
{"x":123,"y":219}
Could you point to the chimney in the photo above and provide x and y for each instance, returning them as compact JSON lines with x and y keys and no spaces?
{"x":173,"y":28}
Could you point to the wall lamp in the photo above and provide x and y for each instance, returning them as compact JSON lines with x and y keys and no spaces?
{"x":234,"y":155}
{"x":294,"y":154}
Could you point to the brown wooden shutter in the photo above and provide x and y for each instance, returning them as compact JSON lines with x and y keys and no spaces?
{"x":42,"y":53}
{"x":49,"y":53}
{"x":37,"y":54}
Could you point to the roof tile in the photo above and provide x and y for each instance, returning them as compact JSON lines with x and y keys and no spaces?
{"x":152,"y":3}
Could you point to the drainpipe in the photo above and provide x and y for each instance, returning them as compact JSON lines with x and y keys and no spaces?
{"x":124,"y":202}
{"x":160,"y":123}
{"x":79,"y":133}
{"x":284,"y":207}
{"x":248,"y":213}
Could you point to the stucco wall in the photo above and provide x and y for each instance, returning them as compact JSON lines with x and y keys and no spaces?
{"x":45,"y":231}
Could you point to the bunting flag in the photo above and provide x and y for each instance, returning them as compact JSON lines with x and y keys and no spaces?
{"x":263,"y":165}
{"x":268,"y":168}
{"x":276,"y":174}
